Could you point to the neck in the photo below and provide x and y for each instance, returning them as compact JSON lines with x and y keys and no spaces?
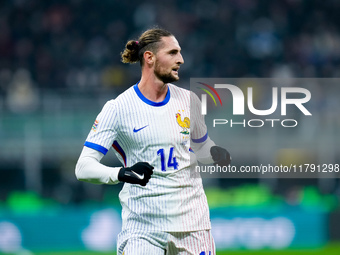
{"x":152,"y":88}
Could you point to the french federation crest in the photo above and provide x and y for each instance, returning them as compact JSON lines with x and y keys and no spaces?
{"x":184,"y":124}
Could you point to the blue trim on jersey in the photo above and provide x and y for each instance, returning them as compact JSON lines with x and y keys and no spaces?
{"x":201,"y":140}
{"x":97,"y":147}
{"x":120,"y":150}
{"x":149,"y":102}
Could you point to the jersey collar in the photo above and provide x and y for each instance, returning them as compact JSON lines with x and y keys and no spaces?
{"x":149,"y":102}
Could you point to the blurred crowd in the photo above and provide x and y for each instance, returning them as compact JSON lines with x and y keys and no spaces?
{"x":77,"y":43}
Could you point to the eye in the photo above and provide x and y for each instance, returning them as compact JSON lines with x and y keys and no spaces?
{"x":173,"y":52}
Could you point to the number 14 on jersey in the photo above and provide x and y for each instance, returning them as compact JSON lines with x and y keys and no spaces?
{"x":172,"y":162}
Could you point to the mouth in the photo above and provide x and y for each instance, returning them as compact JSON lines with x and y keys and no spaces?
{"x":175,"y":70}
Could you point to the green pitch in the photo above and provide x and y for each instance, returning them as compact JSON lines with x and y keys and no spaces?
{"x":331,"y":249}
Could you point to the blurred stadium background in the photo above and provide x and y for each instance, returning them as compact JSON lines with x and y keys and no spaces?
{"x":59,"y":63}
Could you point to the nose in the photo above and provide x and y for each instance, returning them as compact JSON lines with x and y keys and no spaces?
{"x":180,"y":59}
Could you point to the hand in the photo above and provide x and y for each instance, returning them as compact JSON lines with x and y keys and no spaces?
{"x":139,"y":173}
{"x":220,"y":156}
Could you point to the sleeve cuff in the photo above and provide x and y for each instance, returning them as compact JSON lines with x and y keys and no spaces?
{"x":96,"y":147}
{"x":200,"y":140}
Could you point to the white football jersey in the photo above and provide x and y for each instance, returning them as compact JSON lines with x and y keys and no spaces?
{"x":140,"y":130}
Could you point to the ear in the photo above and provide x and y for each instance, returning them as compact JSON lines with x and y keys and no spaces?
{"x":149,"y":57}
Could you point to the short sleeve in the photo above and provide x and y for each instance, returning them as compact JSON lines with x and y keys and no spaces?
{"x":198,"y":132}
{"x":104,"y":129}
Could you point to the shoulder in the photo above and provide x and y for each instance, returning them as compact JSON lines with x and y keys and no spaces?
{"x":178,"y":91}
{"x":127,"y":94}
{"x":113,"y":105}
{"x":109,"y":107}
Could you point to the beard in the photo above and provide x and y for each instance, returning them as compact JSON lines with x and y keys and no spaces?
{"x":165,"y":77}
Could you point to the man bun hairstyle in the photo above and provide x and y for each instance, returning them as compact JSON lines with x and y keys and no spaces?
{"x":130,"y":54}
{"x":148,"y":41}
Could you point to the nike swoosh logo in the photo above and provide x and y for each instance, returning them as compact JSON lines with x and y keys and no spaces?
{"x":136,"y":130}
{"x":140,"y":176}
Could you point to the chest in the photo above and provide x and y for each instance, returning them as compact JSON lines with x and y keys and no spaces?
{"x":156,"y":126}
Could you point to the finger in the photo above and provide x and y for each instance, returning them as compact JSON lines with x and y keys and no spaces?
{"x":149,"y":171}
{"x":144,"y":182}
{"x":213,"y":152}
{"x":224,"y":162}
{"x":147,"y":166}
{"x":142,"y":164}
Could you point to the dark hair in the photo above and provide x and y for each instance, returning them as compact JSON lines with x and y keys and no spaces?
{"x":148,"y":41}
